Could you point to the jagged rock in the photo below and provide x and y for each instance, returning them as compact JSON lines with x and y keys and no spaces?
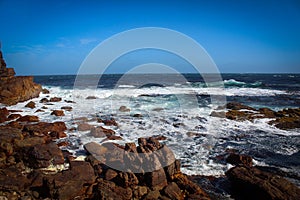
{"x":58,"y":113}
{"x":239,"y":160}
{"x":18,"y":89}
{"x":31,"y":105}
{"x":45,"y":91}
{"x":173,"y":191}
{"x":127,"y":179}
{"x":156,"y":180}
{"x":252,"y":183}
{"x":110,"y":174}
{"x":109,"y":190}
{"x":101,"y":132}
{"x":55,"y":99}
{"x":124,"y":109}
{"x":28,"y":118}
{"x":13,"y":116}
{"x":43,"y":155}
{"x":45,"y":128}
{"x":44,"y":100}
{"x":3,"y":114}
{"x":108,"y":122}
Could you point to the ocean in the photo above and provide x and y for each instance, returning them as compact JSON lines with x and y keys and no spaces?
{"x":178,"y":107}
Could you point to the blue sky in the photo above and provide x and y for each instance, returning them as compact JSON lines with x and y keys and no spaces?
{"x":54,"y":37}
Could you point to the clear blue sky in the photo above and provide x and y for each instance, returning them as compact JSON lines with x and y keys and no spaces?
{"x":53,"y":37}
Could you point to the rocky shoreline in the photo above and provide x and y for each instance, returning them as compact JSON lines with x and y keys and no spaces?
{"x":33,"y":164}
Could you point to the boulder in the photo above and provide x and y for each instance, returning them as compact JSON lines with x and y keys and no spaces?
{"x":45,"y":91}
{"x":31,"y":105}
{"x":55,"y":99}
{"x":45,"y":128}
{"x":28,"y":118}
{"x":124,"y":109}
{"x":173,"y":191}
{"x":58,"y":113}
{"x":18,"y":89}
{"x":84,"y":127}
{"x":252,"y":183}
{"x":67,"y":108}
{"x":44,"y":100}
{"x":3,"y":114}
{"x":101,"y":132}
{"x":109,"y":190}
{"x":239,"y":160}
{"x":43,"y":155}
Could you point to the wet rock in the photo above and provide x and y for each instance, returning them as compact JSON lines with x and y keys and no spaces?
{"x":3,"y":114}
{"x":55,"y":99}
{"x":101,"y":132}
{"x":13,"y":116}
{"x":173,"y":191}
{"x":91,"y":97}
{"x":268,"y":113}
{"x":137,"y":115}
{"x":252,"y":183}
{"x":39,"y":110}
{"x":239,"y":160}
{"x":84,"y":127}
{"x":69,"y":101}
{"x":31,"y":105}
{"x":43,"y":155}
{"x":45,"y":128}
{"x":73,"y":183}
{"x":45,"y":91}
{"x":108,"y":122}
{"x":44,"y":100}
{"x":190,"y":187}
{"x":221,"y":114}
{"x":58,"y":113}
{"x":67,"y":108}
{"x":28,"y":118}
{"x":124,"y":109}
{"x":287,"y":119}
{"x":114,"y":137}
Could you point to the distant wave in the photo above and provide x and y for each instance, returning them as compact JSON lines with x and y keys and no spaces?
{"x":235,"y":83}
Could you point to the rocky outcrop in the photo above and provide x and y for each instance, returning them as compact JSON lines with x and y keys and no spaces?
{"x":284,"y":119}
{"x":249,"y":182}
{"x":252,"y":183}
{"x":14,"y":89}
{"x":166,"y":182}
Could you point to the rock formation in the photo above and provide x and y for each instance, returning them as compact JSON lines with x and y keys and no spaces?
{"x":14,"y":89}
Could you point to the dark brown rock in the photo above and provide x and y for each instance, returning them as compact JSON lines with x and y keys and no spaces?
{"x":42,"y":155}
{"x":173,"y":191}
{"x":13,"y":116}
{"x":109,"y":190}
{"x":45,"y":91}
{"x":127,"y":179}
{"x":239,"y":160}
{"x":58,"y":113}
{"x":28,"y":118}
{"x":45,"y":128}
{"x":44,"y":100}
{"x":124,"y":109}
{"x":73,"y":183}
{"x":55,"y":99}
{"x":67,"y":108}
{"x":108,"y":122}
{"x":31,"y":105}
{"x":252,"y":183}
{"x":3,"y":114}
{"x":156,"y":180}
{"x":110,"y":174}
{"x":91,"y":97}
{"x":190,"y":187}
